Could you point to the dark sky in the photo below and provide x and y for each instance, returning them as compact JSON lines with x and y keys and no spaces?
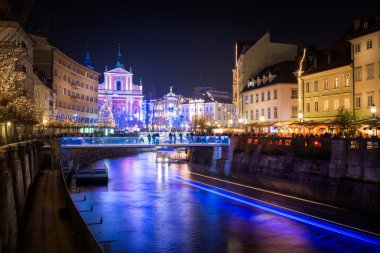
{"x":183,"y":43}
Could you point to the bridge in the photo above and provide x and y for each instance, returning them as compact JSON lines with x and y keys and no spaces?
{"x":144,"y":142}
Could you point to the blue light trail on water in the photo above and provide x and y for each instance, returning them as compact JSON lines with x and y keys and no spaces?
{"x":295,"y":216}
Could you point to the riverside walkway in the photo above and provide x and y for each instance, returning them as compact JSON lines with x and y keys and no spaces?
{"x":44,"y":230}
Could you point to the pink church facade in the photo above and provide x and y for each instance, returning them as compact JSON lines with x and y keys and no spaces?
{"x":123,"y":96}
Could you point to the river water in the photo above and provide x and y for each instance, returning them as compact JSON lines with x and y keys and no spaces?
{"x":145,"y":208}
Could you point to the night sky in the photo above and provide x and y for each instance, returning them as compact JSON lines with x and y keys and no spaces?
{"x":183,"y":43}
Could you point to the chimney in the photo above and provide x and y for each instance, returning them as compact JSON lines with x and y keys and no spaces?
{"x":357,"y":22}
{"x":315,"y":62}
{"x":329,"y":59}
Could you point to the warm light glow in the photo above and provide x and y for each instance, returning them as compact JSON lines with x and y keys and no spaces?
{"x":262,"y":118}
{"x":373,"y":109}
{"x":300,"y":115}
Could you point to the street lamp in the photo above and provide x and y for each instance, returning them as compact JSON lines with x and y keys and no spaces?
{"x":373,"y":111}
{"x":262,"y":119}
{"x":300,"y":116}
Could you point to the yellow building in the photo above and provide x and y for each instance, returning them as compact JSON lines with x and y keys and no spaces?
{"x":366,"y":59}
{"x":325,"y":84}
{"x":76,"y":86}
{"x":271,"y":96}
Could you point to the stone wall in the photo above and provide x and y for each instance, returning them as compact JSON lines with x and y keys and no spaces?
{"x":78,"y":156}
{"x":343,"y":172}
{"x":18,"y":169}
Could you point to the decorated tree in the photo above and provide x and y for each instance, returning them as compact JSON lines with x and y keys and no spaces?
{"x":105,"y":118}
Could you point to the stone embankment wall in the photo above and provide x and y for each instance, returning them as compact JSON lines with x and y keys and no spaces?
{"x":343,"y":172}
{"x":19,"y":165}
{"x":71,"y":157}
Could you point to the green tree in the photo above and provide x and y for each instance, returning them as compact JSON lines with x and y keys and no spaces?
{"x":201,"y":123}
{"x":344,"y":121}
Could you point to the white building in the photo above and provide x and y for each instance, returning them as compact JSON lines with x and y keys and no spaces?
{"x":252,"y":57}
{"x":165,"y":113}
{"x":270,"y":96}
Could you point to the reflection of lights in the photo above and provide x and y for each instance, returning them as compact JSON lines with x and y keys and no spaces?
{"x":159,"y":159}
{"x":314,"y":221}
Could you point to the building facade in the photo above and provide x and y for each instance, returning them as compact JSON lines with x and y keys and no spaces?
{"x":325,"y":85}
{"x":76,"y":85}
{"x":252,"y":57}
{"x":219,"y":113}
{"x":123,"y":96}
{"x":271,"y":96}
{"x":166,"y":114}
{"x":365,"y":42}
{"x":44,"y":97}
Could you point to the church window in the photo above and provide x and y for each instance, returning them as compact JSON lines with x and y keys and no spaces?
{"x":118,"y":85}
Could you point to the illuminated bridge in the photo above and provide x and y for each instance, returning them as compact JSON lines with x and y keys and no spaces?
{"x":145,"y":142}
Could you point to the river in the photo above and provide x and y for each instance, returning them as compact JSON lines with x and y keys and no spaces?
{"x":147,"y":208}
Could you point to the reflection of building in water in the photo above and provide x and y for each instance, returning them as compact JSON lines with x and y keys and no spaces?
{"x":122,"y":95}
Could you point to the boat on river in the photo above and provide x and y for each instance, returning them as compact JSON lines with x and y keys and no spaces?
{"x":96,"y":175}
{"x":179,"y":156}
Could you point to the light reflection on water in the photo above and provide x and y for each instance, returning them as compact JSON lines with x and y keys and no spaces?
{"x":144,"y":210}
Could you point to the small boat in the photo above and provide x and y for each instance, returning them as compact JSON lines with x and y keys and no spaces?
{"x":162,"y":157}
{"x":167,"y":157}
{"x":98,"y":175}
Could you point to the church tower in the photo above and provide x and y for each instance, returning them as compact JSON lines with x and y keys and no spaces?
{"x":119,"y":61}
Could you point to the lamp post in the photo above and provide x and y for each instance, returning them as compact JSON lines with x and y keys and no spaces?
{"x":262,"y":119}
{"x":300,"y":116}
{"x":373,"y":111}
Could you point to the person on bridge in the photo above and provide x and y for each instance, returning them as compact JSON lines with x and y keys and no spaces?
{"x":175,"y":138}
{"x":170,"y":138}
{"x":180,"y":137}
{"x":149,"y":138}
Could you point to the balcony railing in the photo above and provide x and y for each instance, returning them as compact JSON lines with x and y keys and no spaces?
{"x":119,"y":92}
{"x":143,"y":140}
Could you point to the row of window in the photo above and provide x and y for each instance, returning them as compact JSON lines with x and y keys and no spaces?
{"x":370,"y":72}
{"x":357,"y":46}
{"x":326,"y":105}
{"x":76,"y":107}
{"x":75,"y":82}
{"x":326,"y":86}
{"x":77,"y":70}
{"x":370,"y":100}
{"x":262,"y":114}
{"x":78,"y":95}
{"x":294,"y":94}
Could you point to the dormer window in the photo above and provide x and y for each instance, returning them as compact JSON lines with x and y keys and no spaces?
{"x":265,"y":79}
{"x":258,"y":81}
{"x":250,"y":83}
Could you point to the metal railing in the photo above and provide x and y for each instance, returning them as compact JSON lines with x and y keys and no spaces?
{"x":85,"y":238}
{"x":140,"y":140}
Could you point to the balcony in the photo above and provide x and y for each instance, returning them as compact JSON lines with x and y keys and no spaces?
{"x":75,"y":85}
{"x":76,"y":98}
{"x":119,"y":92}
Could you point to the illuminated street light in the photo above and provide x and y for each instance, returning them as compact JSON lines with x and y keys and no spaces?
{"x":373,"y":111}
{"x":262,"y":119}
{"x":300,"y":116}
